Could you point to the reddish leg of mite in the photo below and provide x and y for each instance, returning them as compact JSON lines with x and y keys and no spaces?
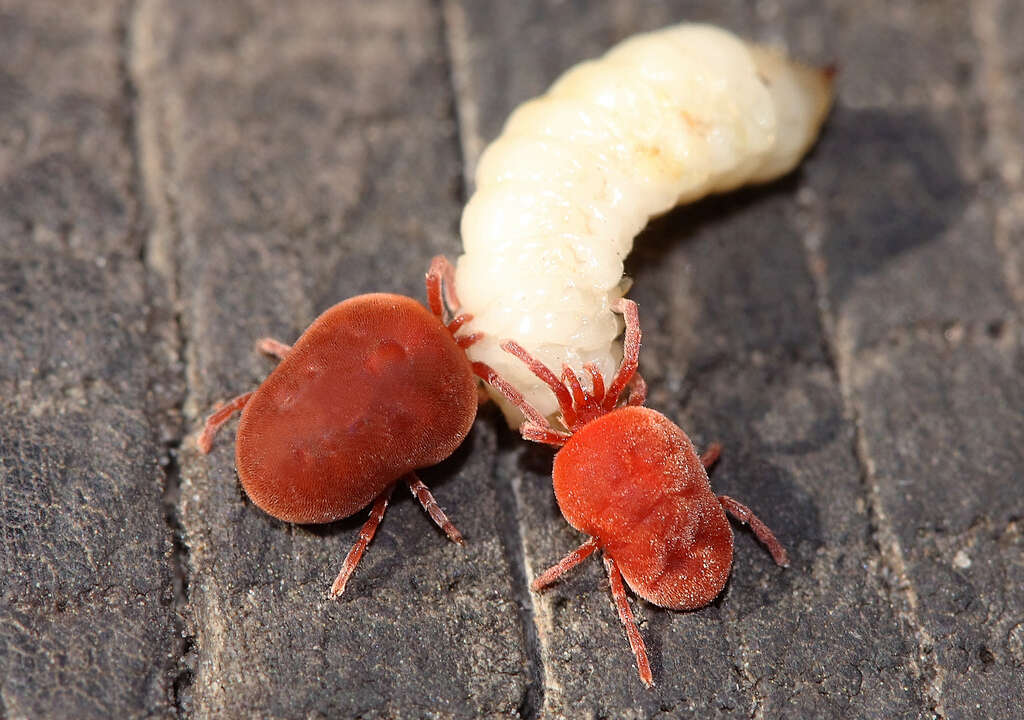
{"x":711,"y":455}
{"x":629,"y":622}
{"x":761,"y":531}
{"x":218,"y":418}
{"x":435,"y":276}
{"x":434,"y":510}
{"x":630,"y":352}
{"x":221,"y":415}
{"x":569,"y":379}
{"x":567,"y":563}
{"x":441,"y":283}
{"x":273,"y":348}
{"x":637,"y":391}
{"x":466,"y":340}
{"x":489,"y":375}
{"x":365,"y":536}
{"x":547,"y":436}
{"x":443,"y":270}
{"x":543,"y":372}
{"x":441,"y":279}
{"x":458,"y":321}
{"x":597,"y":381}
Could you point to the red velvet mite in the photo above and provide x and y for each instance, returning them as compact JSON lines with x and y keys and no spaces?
{"x":631,"y":479}
{"x":375,"y":388}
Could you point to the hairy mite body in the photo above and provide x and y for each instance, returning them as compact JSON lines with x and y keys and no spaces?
{"x":376,"y":387}
{"x":631,"y":479}
{"x":663,"y":118}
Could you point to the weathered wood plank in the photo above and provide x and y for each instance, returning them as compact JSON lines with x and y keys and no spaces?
{"x":997,"y":24}
{"x":87,"y":624}
{"x":927,"y":341}
{"x":734,"y":351}
{"x":280,"y":157}
{"x":311,"y":156}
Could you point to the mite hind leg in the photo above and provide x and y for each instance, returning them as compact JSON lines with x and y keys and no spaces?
{"x":636,"y":642}
{"x":761,"y":531}
{"x":710,"y":456}
{"x":422,"y":493}
{"x":220,"y":416}
{"x":273,"y":348}
{"x":366,"y":534}
{"x":268,"y":346}
{"x":564,"y":565}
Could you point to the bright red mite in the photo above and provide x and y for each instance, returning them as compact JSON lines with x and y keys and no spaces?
{"x":375,"y":388}
{"x":631,"y":479}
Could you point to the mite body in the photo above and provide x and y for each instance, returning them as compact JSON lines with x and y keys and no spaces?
{"x":631,"y":479}
{"x":375,"y":388}
{"x":663,"y":118}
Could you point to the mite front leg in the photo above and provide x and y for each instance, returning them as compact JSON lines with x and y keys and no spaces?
{"x":536,"y":426}
{"x":630,"y":352}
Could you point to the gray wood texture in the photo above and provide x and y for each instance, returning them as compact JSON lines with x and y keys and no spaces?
{"x":179,"y":178}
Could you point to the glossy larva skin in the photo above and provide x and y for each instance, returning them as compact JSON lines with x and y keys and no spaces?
{"x":633,"y":480}
{"x":661,"y":119}
{"x":375,"y":387}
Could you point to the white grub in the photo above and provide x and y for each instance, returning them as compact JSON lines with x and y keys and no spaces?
{"x":663,"y":118}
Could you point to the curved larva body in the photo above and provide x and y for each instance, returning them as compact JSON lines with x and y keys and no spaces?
{"x":661,"y":119}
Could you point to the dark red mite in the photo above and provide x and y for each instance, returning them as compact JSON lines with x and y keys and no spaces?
{"x":631,"y":479}
{"x":375,"y":388}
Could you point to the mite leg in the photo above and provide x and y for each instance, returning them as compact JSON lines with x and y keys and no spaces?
{"x":458,"y":321}
{"x":596,"y":381}
{"x":268,"y":346}
{"x":218,"y":418}
{"x":742,"y":513}
{"x":630,"y":352}
{"x":567,"y":563}
{"x":429,"y":504}
{"x":442,"y":277}
{"x":536,"y":423}
{"x":365,"y":536}
{"x":637,"y":391}
{"x":571,"y":381}
{"x":710,"y":456}
{"x":629,"y":622}
{"x":441,"y":280}
{"x":543,"y":372}
{"x":434,"y":278}
{"x":441,"y":294}
{"x":464,"y":341}
{"x":546,"y":436}
{"x":273,"y":348}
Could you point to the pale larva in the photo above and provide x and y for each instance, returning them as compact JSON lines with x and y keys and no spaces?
{"x":663,"y":118}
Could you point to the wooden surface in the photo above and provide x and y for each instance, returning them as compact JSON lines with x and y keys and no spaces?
{"x":179,"y":178}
